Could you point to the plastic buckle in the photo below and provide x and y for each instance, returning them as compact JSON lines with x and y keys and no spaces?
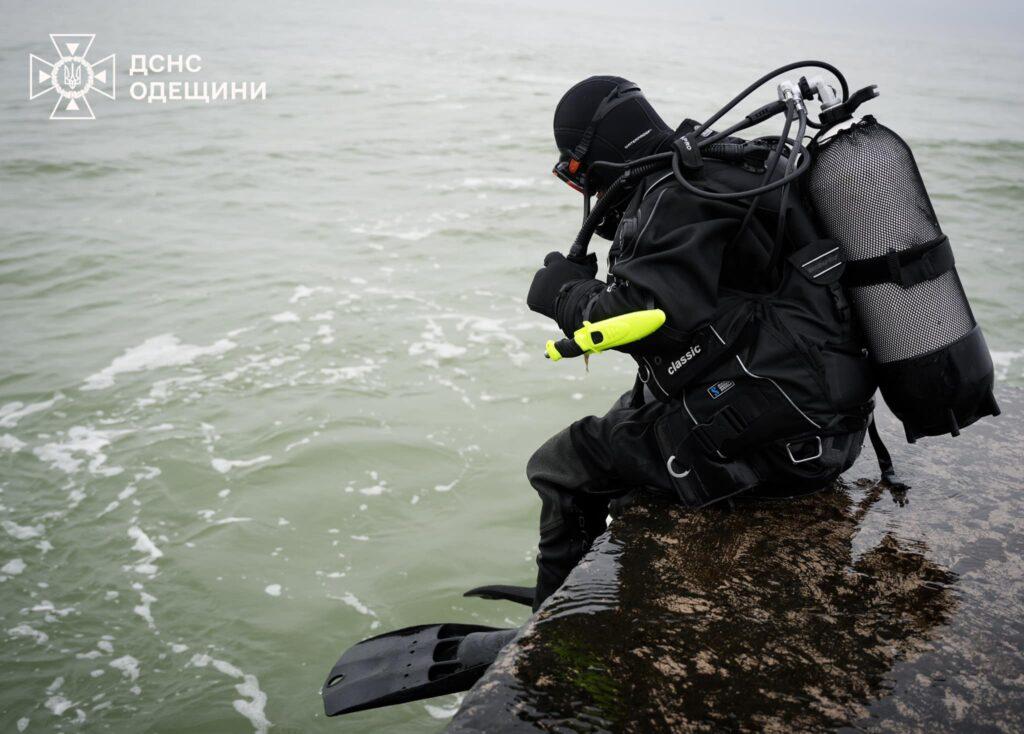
{"x":892,"y":262}
{"x":839,"y":302}
{"x":724,"y":425}
{"x":806,"y":458}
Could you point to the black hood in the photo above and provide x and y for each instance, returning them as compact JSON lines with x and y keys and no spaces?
{"x":629,"y":131}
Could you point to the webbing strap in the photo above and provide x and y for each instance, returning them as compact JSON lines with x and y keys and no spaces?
{"x":906,"y":267}
{"x":881,"y":453}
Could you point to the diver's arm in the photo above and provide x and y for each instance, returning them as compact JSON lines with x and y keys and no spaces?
{"x":593,"y":300}
{"x":568,"y":292}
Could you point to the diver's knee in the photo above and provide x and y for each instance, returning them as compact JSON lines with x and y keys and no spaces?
{"x":547,"y":457}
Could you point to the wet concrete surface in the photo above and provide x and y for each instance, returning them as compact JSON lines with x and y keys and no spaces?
{"x":858,"y":608}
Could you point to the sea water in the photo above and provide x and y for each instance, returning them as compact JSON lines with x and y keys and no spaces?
{"x":268,"y":383}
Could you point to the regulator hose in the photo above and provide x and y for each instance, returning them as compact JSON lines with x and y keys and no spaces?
{"x":578,"y":251}
{"x":845,"y":88}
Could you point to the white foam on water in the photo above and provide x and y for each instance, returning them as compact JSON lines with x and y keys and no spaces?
{"x":58,"y":705}
{"x":353,"y":601}
{"x":81,"y":444}
{"x":143,"y":544}
{"x":253,"y":709}
{"x":11,"y":413}
{"x":13,"y":567}
{"x":128,"y":491}
{"x":22,"y":532}
{"x":363,"y":538}
{"x":231,"y":520}
{"x":1002,"y":361}
{"x":22,"y":724}
{"x":445,"y":487}
{"x":144,"y":607}
{"x":285,"y":317}
{"x":326,"y":333}
{"x":128,"y":666}
{"x":161,"y":351}
{"x":445,"y":712}
{"x":24,"y":630}
{"x":345,"y":374}
{"x":161,"y":389}
{"x":50,"y":611}
{"x":148,"y":472}
{"x":502,"y":183}
{"x":322,"y":316}
{"x":301,"y":292}
{"x":226,"y":465}
{"x":375,"y":490}
{"x":434,"y":347}
{"x":383,"y":229}
{"x":177,"y":647}
{"x":11,"y":443}
{"x":273,"y":589}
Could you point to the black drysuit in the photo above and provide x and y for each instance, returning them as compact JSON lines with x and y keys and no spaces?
{"x":678,"y":252}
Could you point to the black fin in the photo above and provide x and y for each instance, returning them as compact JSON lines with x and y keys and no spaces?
{"x":500,"y":592}
{"x":411,"y":664}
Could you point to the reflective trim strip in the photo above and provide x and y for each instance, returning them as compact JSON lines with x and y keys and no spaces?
{"x":649,"y":218}
{"x":654,"y":185}
{"x":688,"y":408}
{"x":830,"y":267}
{"x":819,"y":257}
{"x":652,"y":376}
{"x":759,"y":377}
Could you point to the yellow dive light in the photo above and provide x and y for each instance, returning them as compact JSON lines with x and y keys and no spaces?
{"x":607,"y":334}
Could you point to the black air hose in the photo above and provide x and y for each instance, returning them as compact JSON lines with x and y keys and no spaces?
{"x":578,"y":251}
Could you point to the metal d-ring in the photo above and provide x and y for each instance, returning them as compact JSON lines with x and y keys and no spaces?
{"x":668,"y":465}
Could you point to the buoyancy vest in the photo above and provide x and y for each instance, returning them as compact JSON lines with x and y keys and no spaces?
{"x":766,"y":372}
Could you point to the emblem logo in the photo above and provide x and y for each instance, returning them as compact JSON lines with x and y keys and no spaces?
{"x":72,"y":76}
{"x":719,"y":388}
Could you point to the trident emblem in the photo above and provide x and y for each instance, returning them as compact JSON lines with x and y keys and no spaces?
{"x":71,"y":76}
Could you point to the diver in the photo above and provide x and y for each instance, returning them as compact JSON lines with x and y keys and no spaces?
{"x":675,"y":252}
{"x":728,"y":276}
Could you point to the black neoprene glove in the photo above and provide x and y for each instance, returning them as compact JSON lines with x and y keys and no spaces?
{"x":556,"y":275}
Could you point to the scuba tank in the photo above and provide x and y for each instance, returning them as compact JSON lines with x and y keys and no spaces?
{"x":931,"y":361}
